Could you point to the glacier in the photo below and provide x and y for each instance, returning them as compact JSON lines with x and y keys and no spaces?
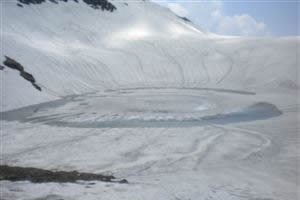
{"x":147,"y":96}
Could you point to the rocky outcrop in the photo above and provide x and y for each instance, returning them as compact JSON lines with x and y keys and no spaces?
{"x":11,"y":63}
{"x":96,"y":4}
{"x":103,"y":4}
{"x":185,"y":19}
{"x":36,"y":175}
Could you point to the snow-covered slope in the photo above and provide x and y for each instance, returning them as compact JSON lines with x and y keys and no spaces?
{"x":140,"y":93}
{"x":72,"y":48}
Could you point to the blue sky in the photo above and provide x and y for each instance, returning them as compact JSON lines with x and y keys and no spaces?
{"x":241,"y":17}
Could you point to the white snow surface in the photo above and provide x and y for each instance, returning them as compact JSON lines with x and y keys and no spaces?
{"x":125,"y":93}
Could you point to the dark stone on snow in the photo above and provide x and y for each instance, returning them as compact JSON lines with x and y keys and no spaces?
{"x":185,"y":19}
{"x":37,"y":87}
{"x":28,"y":76}
{"x":96,"y":4}
{"x":27,"y":2}
{"x":124,"y":181}
{"x":1,"y":67}
{"x":37,"y":175}
{"x":11,"y":63}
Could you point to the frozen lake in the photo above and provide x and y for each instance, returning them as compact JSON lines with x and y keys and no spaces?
{"x":148,"y":108}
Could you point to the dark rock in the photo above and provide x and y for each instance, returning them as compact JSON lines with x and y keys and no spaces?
{"x":20,"y":5}
{"x":36,"y":175}
{"x":103,"y":4}
{"x":123,"y":181}
{"x":53,"y":1}
{"x":185,"y":19}
{"x":28,"y":76}
{"x":96,"y":4}
{"x":27,"y":2}
{"x":1,"y":67}
{"x":11,"y":63}
{"x":37,"y":87}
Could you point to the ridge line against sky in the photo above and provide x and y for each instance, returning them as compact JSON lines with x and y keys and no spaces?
{"x":240,"y":17}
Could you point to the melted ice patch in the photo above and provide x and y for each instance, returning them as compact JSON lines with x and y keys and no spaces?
{"x":144,"y":109}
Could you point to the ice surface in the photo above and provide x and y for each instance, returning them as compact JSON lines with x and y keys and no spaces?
{"x":142,"y":109}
